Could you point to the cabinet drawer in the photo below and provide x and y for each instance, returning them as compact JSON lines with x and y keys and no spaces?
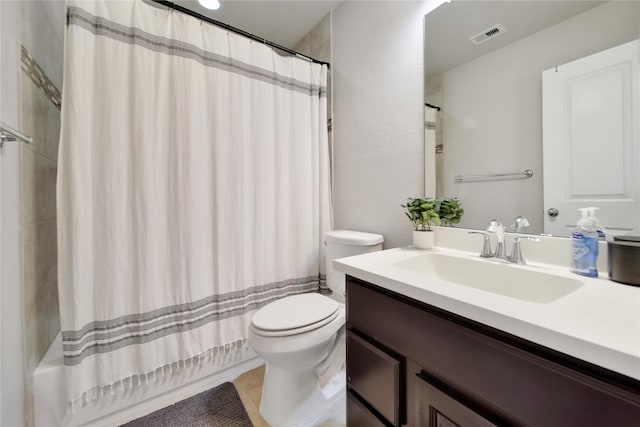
{"x":359,"y":416}
{"x":434,"y":408}
{"x":375,"y":376}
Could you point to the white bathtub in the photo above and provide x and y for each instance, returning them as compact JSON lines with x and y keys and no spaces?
{"x":50,"y":397}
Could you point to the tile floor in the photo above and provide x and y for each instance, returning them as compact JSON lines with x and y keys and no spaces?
{"x":249,"y":386}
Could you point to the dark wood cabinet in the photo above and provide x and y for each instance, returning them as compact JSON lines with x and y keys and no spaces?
{"x":360,"y":415}
{"x":415,"y":364}
{"x":435,"y":408}
{"x":375,"y":376}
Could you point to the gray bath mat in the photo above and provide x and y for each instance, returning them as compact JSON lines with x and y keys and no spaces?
{"x":219,"y":407}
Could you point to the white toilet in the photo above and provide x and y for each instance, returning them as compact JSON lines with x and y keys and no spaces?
{"x":301,"y":337}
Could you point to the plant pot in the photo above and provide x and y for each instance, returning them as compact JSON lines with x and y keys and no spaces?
{"x":423,"y":239}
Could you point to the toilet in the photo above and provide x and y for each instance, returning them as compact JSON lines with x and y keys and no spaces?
{"x":302,"y":339}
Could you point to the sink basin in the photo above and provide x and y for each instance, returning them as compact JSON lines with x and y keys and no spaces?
{"x":503,"y":279}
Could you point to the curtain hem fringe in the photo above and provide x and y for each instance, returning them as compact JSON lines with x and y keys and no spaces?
{"x":138,"y":380}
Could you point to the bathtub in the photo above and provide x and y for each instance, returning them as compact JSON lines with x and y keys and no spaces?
{"x":49,"y":396}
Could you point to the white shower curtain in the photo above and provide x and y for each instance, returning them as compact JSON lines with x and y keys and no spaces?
{"x":193,"y":188}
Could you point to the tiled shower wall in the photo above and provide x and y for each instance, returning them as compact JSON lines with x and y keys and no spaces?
{"x":317,"y":44}
{"x":40,"y":82}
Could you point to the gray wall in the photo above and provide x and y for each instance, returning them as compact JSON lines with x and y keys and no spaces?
{"x":12,"y":396}
{"x":378,"y":129}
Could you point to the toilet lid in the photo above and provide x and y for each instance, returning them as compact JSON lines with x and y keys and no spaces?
{"x":294,"y":312}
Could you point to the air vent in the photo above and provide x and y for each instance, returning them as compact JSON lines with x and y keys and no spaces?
{"x":488,"y":34}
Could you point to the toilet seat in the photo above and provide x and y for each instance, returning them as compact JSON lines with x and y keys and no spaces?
{"x":294,"y":314}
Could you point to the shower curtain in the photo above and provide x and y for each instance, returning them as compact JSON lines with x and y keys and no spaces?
{"x":193,"y":188}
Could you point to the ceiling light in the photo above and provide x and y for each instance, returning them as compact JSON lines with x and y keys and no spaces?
{"x":210,"y":4}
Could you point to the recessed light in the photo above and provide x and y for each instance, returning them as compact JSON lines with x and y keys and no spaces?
{"x":210,"y":4}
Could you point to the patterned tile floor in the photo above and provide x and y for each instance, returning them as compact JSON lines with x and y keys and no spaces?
{"x":249,"y":386}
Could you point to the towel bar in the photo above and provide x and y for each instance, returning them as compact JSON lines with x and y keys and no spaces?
{"x":527,"y":173}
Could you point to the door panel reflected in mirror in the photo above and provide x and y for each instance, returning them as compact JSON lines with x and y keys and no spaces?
{"x":485,"y":65}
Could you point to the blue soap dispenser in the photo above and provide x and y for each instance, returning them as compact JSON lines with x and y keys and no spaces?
{"x":595,"y":223}
{"x":584,"y":246}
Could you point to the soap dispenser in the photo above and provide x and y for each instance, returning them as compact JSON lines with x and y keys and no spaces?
{"x":584,"y":246}
{"x":595,"y":223}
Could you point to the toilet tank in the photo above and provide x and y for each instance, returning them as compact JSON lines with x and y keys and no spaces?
{"x":344,"y":243}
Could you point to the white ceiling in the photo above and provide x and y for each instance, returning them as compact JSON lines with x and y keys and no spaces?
{"x":281,"y":22}
{"x":448,"y":28}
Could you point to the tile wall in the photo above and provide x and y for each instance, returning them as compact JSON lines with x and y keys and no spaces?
{"x":40,"y":82}
{"x":317,"y":44}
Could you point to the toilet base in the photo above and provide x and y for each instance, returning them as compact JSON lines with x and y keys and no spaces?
{"x":294,"y":398}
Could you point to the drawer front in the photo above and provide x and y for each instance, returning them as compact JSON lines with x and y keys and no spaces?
{"x":375,"y":376}
{"x":512,"y":382}
{"x":359,"y":416}
{"x":434,"y":408}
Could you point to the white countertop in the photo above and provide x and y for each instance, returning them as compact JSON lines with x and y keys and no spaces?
{"x":598,"y":323}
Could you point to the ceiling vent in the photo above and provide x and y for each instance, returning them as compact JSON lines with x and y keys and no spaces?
{"x":488,"y":34}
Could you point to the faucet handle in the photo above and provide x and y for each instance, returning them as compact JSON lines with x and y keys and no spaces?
{"x":520,"y":223}
{"x":486,"y":245}
{"x":495,"y":226}
{"x":530,"y":238}
{"x":516,"y":253}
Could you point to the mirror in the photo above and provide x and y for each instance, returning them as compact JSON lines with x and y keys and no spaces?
{"x":515,"y":99}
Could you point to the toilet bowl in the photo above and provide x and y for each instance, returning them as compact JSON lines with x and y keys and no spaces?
{"x":301,"y":339}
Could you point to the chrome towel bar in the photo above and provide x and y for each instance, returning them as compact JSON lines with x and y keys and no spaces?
{"x":527,"y":173}
{"x":7,"y":133}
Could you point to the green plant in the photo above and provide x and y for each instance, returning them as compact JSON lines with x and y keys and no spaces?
{"x":450,"y":211}
{"x":423,"y":213}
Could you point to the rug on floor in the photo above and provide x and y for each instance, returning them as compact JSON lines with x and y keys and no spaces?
{"x":219,"y":407}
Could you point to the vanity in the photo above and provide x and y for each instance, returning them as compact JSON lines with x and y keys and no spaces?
{"x":429,"y":344}
{"x":445,"y":338}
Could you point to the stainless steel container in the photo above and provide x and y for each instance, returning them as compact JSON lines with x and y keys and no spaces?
{"x":624,"y":260}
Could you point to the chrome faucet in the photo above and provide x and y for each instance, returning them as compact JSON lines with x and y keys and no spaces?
{"x":519,"y":224}
{"x":486,"y":245}
{"x":496,"y":227}
{"x":516,"y":253}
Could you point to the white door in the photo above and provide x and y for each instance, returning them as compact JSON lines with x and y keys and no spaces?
{"x":591,"y":153}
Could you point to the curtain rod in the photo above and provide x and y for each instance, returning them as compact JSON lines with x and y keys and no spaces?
{"x":190,"y":12}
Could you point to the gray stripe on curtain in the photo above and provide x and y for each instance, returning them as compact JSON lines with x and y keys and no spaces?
{"x":255,"y":291}
{"x":175,"y":325}
{"x":221,"y":304}
{"x":178,"y":313}
{"x":103,"y":27}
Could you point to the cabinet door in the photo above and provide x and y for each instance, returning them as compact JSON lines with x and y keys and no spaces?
{"x":433,"y":408}
{"x":375,"y":376}
{"x":359,"y":416}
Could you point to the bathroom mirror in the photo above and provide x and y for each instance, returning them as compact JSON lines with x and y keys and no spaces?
{"x":537,"y":116}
